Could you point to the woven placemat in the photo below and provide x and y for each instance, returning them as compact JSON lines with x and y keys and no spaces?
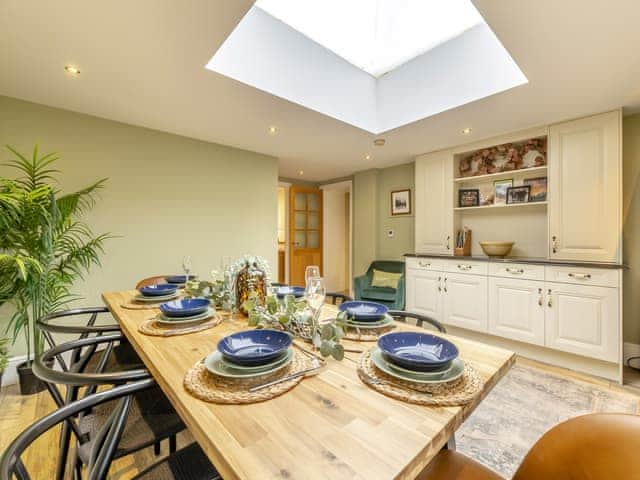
{"x":457,"y":392}
{"x":365,"y":334}
{"x":206,"y":386}
{"x":157,"y":329}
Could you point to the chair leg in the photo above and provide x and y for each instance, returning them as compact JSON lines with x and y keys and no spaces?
{"x":172,"y":444}
{"x":451,"y":443}
{"x":156,"y":448}
{"x":77,"y":471}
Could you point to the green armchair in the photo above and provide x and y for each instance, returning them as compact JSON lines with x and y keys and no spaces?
{"x":391,"y":297}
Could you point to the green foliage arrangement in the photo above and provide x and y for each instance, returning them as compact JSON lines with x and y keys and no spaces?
{"x":4,"y":354}
{"x":293,"y":316}
{"x":44,"y":245}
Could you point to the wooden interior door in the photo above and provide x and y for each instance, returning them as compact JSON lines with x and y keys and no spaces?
{"x":305,"y":231}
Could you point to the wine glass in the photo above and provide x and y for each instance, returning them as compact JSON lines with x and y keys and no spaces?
{"x":310,"y":272}
{"x":187,"y":266}
{"x":314,"y":294}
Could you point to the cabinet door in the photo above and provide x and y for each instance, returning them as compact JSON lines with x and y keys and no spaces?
{"x":583,"y":320}
{"x":516,"y":309}
{"x":423,"y":290}
{"x":585,"y":197}
{"x":465,"y":301}
{"x":434,"y":203}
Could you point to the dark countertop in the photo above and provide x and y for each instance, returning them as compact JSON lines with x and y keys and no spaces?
{"x":534,"y":261}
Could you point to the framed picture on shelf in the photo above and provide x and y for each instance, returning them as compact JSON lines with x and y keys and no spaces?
{"x":468,"y":197}
{"x":519,"y":194}
{"x":501,"y":187}
{"x":401,"y":202}
{"x":538,"y":191}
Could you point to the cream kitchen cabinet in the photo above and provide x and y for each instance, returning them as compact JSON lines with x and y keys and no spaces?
{"x":517,"y":309}
{"x":583,"y":319}
{"x":464,"y":301}
{"x":585,"y":193}
{"x":424,"y":292}
{"x":434,"y":203}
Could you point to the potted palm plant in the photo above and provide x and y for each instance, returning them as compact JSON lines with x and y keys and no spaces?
{"x":4,"y":356}
{"x":44,"y":248}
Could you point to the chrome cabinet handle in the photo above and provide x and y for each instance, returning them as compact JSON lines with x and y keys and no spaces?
{"x":464,"y":267}
{"x":554,"y":243}
{"x":549,"y":304}
{"x":515,"y":271}
{"x":540,"y":301}
{"x":580,"y":276}
{"x":439,"y":284}
{"x":424,"y":264}
{"x":448,"y":238}
{"x":445,"y":284}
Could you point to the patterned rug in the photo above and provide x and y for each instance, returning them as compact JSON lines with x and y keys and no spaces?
{"x":525,"y":404}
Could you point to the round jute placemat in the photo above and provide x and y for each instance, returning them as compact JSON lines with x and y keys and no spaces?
{"x":206,"y":386}
{"x":365,"y":334}
{"x":457,"y":392}
{"x":157,"y":329}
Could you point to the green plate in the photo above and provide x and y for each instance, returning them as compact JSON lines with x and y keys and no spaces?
{"x":255,"y":368}
{"x":141,"y":298}
{"x":216,"y":365}
{"x":456,"y":370}
{"x":164,"y":320}
{"x":385,"y":322}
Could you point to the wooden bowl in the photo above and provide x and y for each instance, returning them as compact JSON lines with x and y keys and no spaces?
{"x":496,"y":249}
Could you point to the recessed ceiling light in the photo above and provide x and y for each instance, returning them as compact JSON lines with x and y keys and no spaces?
{"x":300,"y":172}
{"x":273,"y":130}
{"x":379,"y":142}
{"x":367,"y":157}
{"x":71,"y":69}
{"x":466,"y":131}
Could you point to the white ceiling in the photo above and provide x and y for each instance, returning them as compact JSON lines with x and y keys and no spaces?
{"x":143,"y":63}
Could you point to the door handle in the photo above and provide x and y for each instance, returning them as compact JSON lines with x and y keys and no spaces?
{"x":549,"y":303}
{"x":445,"y":284}
{"x":465,"y":268}
{"x":448,"y":238}
{"x":515,"y":271}
{"x":424,"y":264}
{"x":554,"y":244}
{"x":580,"y":276}
{"x":439,"y":284}
{"x":540,"y":301}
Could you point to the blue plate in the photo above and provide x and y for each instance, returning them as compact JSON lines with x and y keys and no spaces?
{"x":179,"y":278}
{"x":297,"y":292}
{"x":417,"y":351}
{"x":254,"y":347}
{"x":158,"y":290}
{"x":364,"y":311}
{"x":186,"y":307}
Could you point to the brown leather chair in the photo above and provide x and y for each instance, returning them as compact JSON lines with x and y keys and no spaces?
{"x":600,"y":446}
{"x":145,"y":282}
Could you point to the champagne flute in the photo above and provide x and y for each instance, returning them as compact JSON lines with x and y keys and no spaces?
{"x":187,"y":266}
{"x":310,"y":272}
{"x":315,"y":294}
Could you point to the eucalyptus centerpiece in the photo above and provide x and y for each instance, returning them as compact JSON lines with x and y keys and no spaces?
{"x":44,"y":248}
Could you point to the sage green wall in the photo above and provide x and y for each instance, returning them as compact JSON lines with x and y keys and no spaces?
{"x":631,"y":227}
{"x":167,"y":196}
{"x":372,"y":216}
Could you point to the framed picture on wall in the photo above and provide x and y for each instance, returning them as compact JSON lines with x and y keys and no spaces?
{"x":468,"y":197}
{"x":518,"y":194}
{"x":401,"y":202}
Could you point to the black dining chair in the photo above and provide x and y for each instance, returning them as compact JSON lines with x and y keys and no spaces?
{"x":189,"y":463}
{"x":420,"y":320}
{"x":334,"y":297}
{"x":151,"y":417}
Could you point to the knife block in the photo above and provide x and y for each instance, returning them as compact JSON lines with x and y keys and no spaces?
{"x":465,"y":250}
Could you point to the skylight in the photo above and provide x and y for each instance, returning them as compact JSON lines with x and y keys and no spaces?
{"x":376,"y":36}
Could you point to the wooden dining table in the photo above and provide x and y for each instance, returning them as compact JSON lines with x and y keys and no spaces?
{"x":329,"y":426}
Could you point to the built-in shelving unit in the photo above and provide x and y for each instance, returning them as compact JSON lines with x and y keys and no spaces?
{"x":507,"y":205}
{"x":541,"y":171}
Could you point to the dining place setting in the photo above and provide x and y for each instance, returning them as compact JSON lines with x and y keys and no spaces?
{"x":364,"y":320}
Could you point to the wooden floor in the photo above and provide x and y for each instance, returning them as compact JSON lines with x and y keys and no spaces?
{"x":17,"y":412}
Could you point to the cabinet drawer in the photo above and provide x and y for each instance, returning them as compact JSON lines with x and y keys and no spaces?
{"x":424,"y":263}
{"x":602,"y":277}
{"x":524,"y":271}
{"x":466,"y":266}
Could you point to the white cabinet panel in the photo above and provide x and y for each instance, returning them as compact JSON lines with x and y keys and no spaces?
{"x":423,"y":291}
{"x":583,"y":320}
{"x":465,"y":301}
{"x":516,"y":309}
{"x":602,"y":277}
{"x":465,"y":266}
{"x":424,"y":263}
{"x":434,"y":203}
{"x":584,"y":189}
{"x":525,"y":271}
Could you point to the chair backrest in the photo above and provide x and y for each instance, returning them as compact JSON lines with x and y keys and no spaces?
{"x":385,"y":266}
{"x":145,"y":282}
{"x":102,"y":452}
{"x":599,"y":446}
{"x":420,"y":319}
